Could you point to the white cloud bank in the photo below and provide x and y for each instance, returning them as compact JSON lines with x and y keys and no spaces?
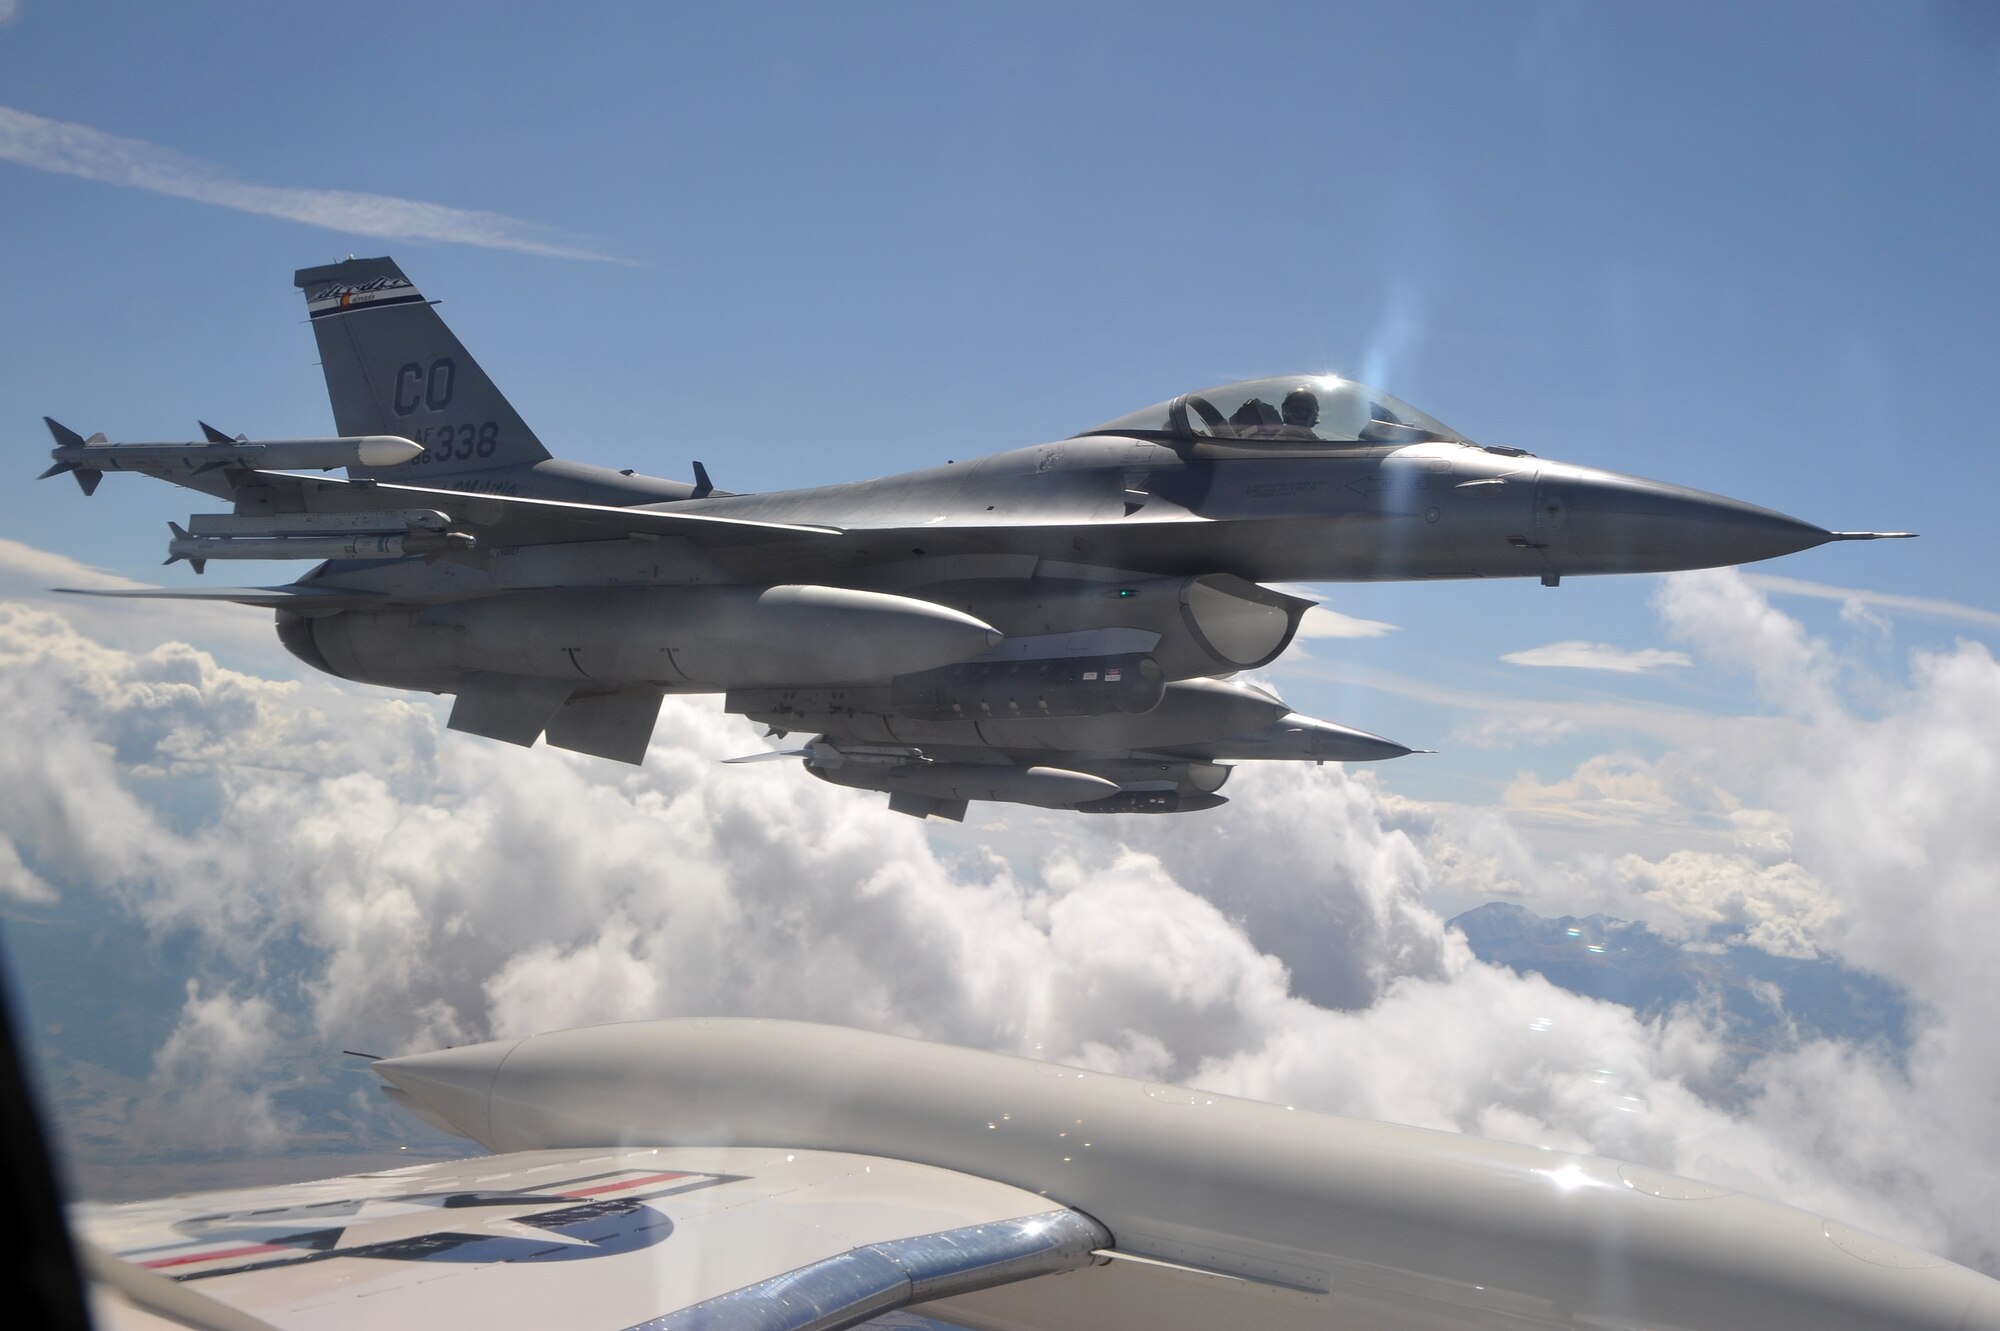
{"x":426,"y":888}
{"x":70,"y":149}
{"x":1576,"y":654}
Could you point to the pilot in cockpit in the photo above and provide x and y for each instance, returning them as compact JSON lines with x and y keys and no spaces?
{"x":1301,"y":413}
{"x":1295,"y":419}
{"x":1255,"y":419}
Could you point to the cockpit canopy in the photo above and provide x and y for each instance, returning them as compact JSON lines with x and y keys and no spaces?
{"x":1300,"y":409}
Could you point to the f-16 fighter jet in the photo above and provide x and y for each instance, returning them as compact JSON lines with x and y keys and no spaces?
{"x":1052,"y":626}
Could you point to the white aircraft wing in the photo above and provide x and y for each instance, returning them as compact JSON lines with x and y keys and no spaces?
{"x":684,"y":1239}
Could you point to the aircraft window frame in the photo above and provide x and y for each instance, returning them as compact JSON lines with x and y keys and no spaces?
{"x":1194,"y":418}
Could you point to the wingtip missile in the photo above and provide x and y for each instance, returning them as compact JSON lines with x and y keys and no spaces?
{"x":95,"y":454}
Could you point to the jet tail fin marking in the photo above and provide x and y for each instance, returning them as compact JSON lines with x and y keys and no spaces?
{"x":393,"y":367}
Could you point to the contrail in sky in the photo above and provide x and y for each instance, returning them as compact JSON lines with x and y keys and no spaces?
{"x":78,"y":150}
{"x":1922,"y":606}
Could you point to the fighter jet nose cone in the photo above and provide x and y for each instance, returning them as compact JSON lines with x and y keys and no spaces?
{"x":1601,"y":522}
{"x":452,"y":1088}
{"x":1361,"y":747}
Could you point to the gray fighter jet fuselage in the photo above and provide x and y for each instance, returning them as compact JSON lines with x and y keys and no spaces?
{"x":1053,"y":625}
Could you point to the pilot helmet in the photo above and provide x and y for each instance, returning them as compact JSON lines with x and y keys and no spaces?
{"x":1301,"y":408}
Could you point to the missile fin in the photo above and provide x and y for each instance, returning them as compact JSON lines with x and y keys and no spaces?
{"x":703,"y":487}
{"x":770,"y":754}
{"x":213,"y":435}
{"x":64,"y":436}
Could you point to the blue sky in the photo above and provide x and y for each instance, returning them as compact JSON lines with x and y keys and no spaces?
{"x":1744,"y":248}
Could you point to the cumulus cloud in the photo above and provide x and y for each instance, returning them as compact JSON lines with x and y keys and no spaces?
{"x":1578,"y":655}
{"x":70,"y":149}
{"x":1781,"y":908}
{"x":211,"y":1084}
{"x":1737,"y":626}
{"x":425,"y":888}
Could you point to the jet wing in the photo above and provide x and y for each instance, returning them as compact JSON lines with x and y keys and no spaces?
{"x":684,"y":1239}
{"x":303,"y":599}
{"x":499,"y":519}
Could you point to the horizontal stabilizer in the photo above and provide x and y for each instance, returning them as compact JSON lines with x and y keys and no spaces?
{"x":507,"y":707}
{"x":305,"y":600}
{"x":618,"y":726}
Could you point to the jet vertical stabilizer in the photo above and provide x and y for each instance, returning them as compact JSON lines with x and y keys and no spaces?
{"x":394,"y":368}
